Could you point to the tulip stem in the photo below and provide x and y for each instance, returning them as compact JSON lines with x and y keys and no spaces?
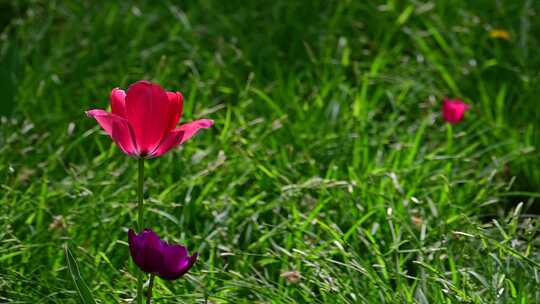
{"x":140,"y":194}
{"x":449,"y":136}
{"x":140,"y":223}
{"x":149,"y":293}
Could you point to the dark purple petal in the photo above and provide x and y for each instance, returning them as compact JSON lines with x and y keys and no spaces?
{"x":134,"y":246}
{"x":146,"y":250}
{"x":176,"y":262}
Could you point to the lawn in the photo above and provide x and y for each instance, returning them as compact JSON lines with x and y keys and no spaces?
{"x":329,"y":175}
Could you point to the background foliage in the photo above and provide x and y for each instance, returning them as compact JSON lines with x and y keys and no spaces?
{"x":329,"y":176}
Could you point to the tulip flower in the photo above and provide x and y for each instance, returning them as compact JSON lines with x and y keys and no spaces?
{"x":453,"y":110}
{"x":152,"y":255}
{"x":143,"y":120}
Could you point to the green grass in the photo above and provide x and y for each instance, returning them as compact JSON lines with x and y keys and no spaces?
{"x":328,"y":156}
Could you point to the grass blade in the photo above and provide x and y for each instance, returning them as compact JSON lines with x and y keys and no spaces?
{"x":82,"y":289}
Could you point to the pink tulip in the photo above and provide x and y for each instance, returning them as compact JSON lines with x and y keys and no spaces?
{"x":453,"y":110}
{"x":143,"y":121}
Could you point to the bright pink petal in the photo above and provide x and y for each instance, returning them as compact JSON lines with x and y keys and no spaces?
{"x":118,"y":129}
{"x":173,"y":139}
{"x":148,"y":113}
{"x":118,"y":102}
{"x":191,"y":128}
{"x":180,"y":135}
{"x":453,"y":110}
{"x":176,"y":103}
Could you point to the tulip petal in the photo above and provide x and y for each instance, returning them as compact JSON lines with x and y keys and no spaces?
{"x":118,"y":102}
{"x":176,"y":103}
{"x":118,"y":129}
{"x":173,"y":139}
{"x":146,"y":250}
{"x":148,"y":112}
{"x":180,"y":135}
{"x":453,"y":110}
{"x":134,"y":246}
{"x":191,"y":128}
{"x":176,"y":262}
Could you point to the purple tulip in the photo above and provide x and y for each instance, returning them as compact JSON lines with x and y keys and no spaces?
{"x":153,"y":255}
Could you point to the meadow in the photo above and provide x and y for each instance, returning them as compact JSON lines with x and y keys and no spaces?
{"x":329,"y":175}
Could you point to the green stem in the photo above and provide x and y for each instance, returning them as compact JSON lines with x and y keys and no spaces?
{"x":149,"y":292}
{"x":140,"y":194}
{"x":449,"y":136}
{"x":140,"y":224}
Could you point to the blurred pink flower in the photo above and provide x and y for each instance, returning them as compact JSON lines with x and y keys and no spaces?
{"x":143,"y":121}
{"x":453,"y":110}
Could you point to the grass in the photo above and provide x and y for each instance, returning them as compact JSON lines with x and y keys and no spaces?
{"x":328,"y":159}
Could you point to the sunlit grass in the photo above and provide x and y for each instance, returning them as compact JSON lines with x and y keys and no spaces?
{"x":328,"y":159}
